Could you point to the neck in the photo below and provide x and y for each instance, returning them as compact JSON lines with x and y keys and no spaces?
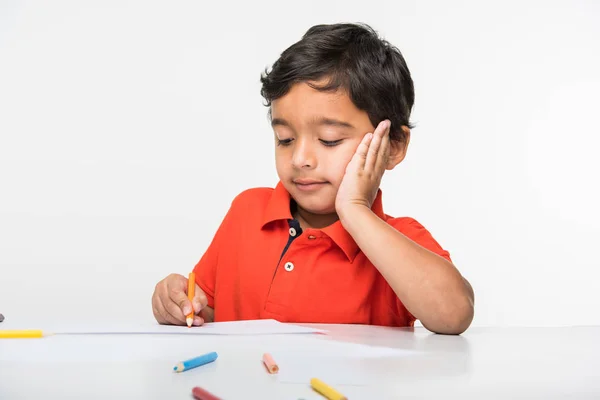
{"x":311,"y":220}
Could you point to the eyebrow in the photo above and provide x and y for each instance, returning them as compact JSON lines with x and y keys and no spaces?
{"x":319,"y":121}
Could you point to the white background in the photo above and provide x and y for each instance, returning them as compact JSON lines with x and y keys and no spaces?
{"x":126,"y":129}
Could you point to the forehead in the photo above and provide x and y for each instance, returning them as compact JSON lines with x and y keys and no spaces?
{"x":303,"y":104}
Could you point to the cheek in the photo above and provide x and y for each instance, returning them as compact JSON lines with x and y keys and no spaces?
{"x":283,"y":163}
{"x":338,"y":164}
{"x":279,"y":161}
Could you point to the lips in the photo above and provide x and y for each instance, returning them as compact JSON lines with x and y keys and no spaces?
{"x":307,"y":182}
{"x":309,"y":185}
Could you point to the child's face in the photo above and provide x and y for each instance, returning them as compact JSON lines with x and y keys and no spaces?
{"x":316,"y":135}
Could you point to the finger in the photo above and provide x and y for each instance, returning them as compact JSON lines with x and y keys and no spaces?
{"x":384,"y":152}
{"x":198,"y":321}
{"x":176,"y":292}
{"x":173,"y":312}
{"x":176,"y":302}
{"x":157,"y":310}
{"x":373,"y":151}
{"x":165,"y":316}
{"x":360,"y":155}
{"x":200,"y":300}
{"x":161,"y":315}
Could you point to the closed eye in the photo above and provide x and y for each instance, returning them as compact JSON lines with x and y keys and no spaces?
{"x":283,"y":142}
{"x":331,"y":143}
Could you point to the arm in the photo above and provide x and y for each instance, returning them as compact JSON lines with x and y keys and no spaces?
{"x":429,"y":286}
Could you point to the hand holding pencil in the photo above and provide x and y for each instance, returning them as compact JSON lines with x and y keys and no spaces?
{"x":178,"y":301}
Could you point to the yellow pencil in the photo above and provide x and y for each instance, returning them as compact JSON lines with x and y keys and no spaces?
{"x":326,"y":390}
{"x":22,"y":334}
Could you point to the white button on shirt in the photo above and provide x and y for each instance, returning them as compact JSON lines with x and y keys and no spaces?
{"x":292,"y":232}
{"x":289,"y":267}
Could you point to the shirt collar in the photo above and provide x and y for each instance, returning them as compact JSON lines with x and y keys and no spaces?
{"x":278,"y":208}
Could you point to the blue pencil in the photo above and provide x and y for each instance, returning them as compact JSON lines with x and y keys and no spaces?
{"x":195,"y":362}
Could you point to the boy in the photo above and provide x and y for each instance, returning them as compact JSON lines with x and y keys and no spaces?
{"x":318,"y":247}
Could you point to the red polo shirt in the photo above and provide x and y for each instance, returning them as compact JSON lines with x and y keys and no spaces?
{"x":261,"y":264}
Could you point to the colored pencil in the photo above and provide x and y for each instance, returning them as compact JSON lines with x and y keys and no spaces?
{"x":202,"y":394}
{"x":195,"y":362}
{"x":22,"y":334}
{"x":270,"y":364}
{"x":326,"y":390}
{"x":191,"y":293}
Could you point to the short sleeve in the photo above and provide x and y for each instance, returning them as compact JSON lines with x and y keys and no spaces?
{"x":418,"y":234}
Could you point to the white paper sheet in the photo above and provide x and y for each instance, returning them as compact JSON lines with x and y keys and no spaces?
{"x":250,"y":327}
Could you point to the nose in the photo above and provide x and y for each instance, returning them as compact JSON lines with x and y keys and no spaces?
{"x":304,"y":155}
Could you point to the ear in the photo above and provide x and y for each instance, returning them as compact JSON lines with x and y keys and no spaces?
{"x":398,"y":149}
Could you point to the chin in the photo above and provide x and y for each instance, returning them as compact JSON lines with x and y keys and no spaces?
{"x":319,"y":201}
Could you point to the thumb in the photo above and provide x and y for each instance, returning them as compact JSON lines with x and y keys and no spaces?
{"x":200,"y":300}
{"x":178,"y":296}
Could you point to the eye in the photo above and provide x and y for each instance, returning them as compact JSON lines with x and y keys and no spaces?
{"x":331,"y":143}
{"x":284,"y":142}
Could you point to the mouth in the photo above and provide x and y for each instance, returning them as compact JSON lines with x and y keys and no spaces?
{"x":308,"y":184}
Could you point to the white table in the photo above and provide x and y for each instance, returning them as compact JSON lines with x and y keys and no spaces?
{"x":483,"y":363}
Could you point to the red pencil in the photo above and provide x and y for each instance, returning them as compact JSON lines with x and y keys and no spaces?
{"x":201,"y":394}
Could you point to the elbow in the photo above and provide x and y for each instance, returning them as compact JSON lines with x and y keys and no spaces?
{"x":453,"y":320}
{"x":461,"y":321}
{"x":459,"y":317}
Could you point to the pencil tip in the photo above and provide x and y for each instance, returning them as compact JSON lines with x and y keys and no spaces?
{"x":189,"y":322}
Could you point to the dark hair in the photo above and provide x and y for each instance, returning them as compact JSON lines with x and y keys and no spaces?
{"x":353,"y":58}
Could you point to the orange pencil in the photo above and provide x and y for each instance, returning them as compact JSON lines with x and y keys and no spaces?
{"x":191,"y":293}
{"x":271,"y":365}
